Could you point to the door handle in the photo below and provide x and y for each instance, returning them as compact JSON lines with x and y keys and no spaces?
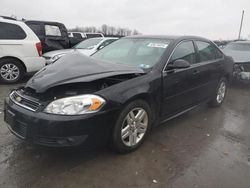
{"x":196,"y":72}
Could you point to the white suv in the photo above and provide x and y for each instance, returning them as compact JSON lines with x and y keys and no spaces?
{"x":20,"y":51}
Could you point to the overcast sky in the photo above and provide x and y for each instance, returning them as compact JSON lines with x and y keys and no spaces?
{"x":214,"y":19}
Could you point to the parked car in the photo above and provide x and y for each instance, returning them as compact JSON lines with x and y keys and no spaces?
{"x":76,"y":37}
{"x":82,"y":35}
{"x":87,"y":47}
{"x":53,"y":35}
{"x":119,"y":93}
{"x":20,"y":51}
{"x":220,"y":44}
{"x":240,"y":52}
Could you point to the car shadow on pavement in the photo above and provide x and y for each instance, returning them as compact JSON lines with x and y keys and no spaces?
{"x":22,"y":82}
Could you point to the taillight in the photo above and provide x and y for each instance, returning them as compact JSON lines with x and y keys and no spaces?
{"x":39,"y":48}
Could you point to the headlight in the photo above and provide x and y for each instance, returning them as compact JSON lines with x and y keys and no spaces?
{"x":56,"y":57}
{"x":82,"y":104}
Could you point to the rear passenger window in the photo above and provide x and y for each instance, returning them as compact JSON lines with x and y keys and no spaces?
{"x":52,"y":30}
{"x":206,"y":51}
{"x":184,"y":51}
{"x":11,"y":32}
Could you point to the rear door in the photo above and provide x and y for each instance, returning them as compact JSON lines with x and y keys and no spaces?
{"x":209,"y":66}
{"x":12,"y":38}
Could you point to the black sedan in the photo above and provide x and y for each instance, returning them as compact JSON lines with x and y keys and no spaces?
{"x":118,"y":94}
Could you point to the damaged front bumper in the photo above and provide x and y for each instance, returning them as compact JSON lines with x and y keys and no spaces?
{"x":90,"y":130}
{"x":242,"y":72}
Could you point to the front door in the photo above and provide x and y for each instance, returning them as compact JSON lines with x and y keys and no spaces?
{"x":179,"y":85}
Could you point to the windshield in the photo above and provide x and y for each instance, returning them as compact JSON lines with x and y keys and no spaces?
{"x":238,"y":46}
{"x":88,"y":44}
{"x":144,"y":53}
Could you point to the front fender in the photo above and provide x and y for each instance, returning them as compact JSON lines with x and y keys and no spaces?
{"x":146,"y":87}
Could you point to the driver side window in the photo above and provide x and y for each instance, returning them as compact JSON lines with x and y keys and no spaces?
{"x":185,"y":51}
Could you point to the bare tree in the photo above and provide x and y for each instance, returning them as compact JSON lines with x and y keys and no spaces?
{"x":135,"y":32}
{"x":106,"y":30}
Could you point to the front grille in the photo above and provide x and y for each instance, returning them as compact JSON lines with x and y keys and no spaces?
{"x":20,"y":100}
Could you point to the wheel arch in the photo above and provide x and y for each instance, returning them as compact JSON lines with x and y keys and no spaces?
{"x":15,"y":58}
{"x":148,"y":99}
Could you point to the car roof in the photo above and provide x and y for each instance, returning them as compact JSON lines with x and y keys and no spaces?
{"x":42,"y":22}
{"x":109,"y":38}
{"x":241,"y":42}
{"x":8,"y":20}
{"x":92,"y":33}
{"x":169,"y":37}
{"x":103,"y":38}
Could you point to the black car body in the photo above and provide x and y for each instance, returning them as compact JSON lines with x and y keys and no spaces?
{"x":167,"y":88}
{"x":240,"y":52}
{"x":53,"y":35}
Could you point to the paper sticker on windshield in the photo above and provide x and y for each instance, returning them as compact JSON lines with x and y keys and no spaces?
{"x":157,"y":45}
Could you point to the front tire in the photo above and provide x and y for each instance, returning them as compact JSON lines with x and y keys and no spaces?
{"x":220,"y":93}
{"x":132,"y":126}
{"x":11,"y":71}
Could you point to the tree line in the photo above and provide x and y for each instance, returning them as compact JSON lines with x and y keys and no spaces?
{"x":106,"y":30}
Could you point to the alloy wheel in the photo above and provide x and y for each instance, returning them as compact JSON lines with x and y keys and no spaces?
{"x":9,"y":72}
{"x":134,"y":127}
{"x":221,"y":92}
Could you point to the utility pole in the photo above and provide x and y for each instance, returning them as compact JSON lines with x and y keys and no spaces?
{"x":241,"y":22}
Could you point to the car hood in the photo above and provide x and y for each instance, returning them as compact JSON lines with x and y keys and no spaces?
{"x":73,"y":68}
{"x":58,"y":52}
{"x":87,"y":52}
{"x":238,"y":56}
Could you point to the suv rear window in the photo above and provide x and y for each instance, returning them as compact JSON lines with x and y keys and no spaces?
{"x":10,"y":31}
{"x":37,"y":29}
{"x":52,"y":30}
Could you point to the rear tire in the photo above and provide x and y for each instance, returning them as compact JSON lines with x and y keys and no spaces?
{"x":11,"y":71}
{"x":132,"y":126}
{"x":220,"y":93}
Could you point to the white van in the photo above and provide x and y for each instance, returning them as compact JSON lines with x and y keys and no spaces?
{"x":20,"y":51}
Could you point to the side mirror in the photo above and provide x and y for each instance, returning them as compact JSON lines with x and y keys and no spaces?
{"x":100,"y":47}
{"x":179,"y":64}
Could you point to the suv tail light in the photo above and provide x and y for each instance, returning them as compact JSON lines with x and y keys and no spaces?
{"x":39,"y":48}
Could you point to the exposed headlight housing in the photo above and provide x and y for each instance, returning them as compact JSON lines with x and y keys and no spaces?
{"x":81,"y":104}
